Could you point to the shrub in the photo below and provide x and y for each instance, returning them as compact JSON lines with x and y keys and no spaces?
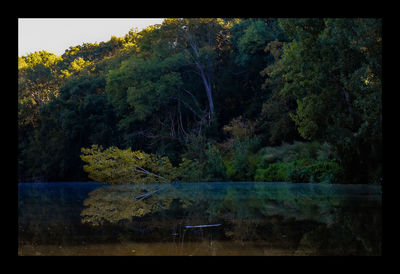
{"x":274,"y":172}
{"x":295,"y":151}
{"x":300,"y":171}
{"x":214,"y":168}
{"x":305,"y":170}
{"x":195,"y":148}
{"x":230,"y":170}
{"x":270,"y":155}
{"x":325,"y":171}
{"x":240,"y":128}
{"x":306,"y":150}
{"x":190,"y":171}
{"x":298,"y":162}
{"x":325,"y":152}
{"x":245,"y":161}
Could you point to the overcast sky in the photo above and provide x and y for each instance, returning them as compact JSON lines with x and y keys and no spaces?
{"x":58,"y":34}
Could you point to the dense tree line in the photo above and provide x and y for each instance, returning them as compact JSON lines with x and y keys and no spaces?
{"x":220,"y":98}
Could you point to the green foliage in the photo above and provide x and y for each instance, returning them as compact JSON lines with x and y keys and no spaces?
{"x":240,"y":128}
{"x":79,"y":116}
{"x":190,"y":171}
{"x":247,"y":58}
{"x":239,"y":150}
{"x":75,"y":67}
{"x":254,"y":88}
{"x":275,"y":172}
{"x":209,"y":167}
{"x":300,"y":171}
{"x":160,"y":85}
{"x":254,"y":38}
{"x":330,"y":66}
{"x":326,"y":171}
{"x":318,"y":171}
{"x":298,"y":162}
{"x":116,"y":166}
{"x":291,"y":152}
{"x":38,"y":84}
{"x":48,"y":59}
{"x":214,"y":167}
{"x":244,"y":162}
{"x":230,"y":170}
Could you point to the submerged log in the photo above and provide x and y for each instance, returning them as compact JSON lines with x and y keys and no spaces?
{"x":201,"y":226}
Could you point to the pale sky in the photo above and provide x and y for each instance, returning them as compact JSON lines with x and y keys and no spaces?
{"x":58,"y":34}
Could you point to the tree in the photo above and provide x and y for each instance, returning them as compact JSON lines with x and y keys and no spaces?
{"x":199,"y":39}
{"x":275,"y":119}
{"x":249,"y":39}
{"x":116,"y":166}
{"x":333,"y":68}
{"x":38,"y":83}
{"x":159,"y":91}
{"x":81,"y":115}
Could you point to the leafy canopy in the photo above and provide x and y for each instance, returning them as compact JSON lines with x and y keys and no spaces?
{"x":116,"y":166}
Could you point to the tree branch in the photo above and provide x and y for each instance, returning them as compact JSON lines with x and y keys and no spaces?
{"x":142,"y":170}
{"x":189,"y":107}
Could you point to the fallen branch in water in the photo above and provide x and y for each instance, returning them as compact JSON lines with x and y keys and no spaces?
{"x":142,"y":170}
{"x":141,"y":197}
{"x":201,"y":226}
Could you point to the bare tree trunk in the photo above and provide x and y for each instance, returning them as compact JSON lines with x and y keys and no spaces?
{"x":207,"y":86}
{"x":203,"y":74}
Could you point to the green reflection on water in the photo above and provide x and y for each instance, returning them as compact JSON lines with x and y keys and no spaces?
{"x":255,"y":218}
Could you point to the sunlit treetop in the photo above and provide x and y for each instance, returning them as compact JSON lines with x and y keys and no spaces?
{"x":48,"y":59}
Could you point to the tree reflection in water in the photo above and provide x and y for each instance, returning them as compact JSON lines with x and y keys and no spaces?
{"x":311,"y":219}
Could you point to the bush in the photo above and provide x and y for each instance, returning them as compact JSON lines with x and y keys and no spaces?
{"x":275,"y":172}
{"x":240,"y":128}
{"x":297,"y":162}
{"x":313,"y":171}
{"x":214,"y":168}
{"x":190,"y":171}
{"x":269,"y":155}
{"x":195,"y":148}
{"x":300,"y":171}
{"x":230,"y":170}
{"x":211,"y":169}
{"x":292,"y":152}
{"x":326,"y":171}
{"x":244,"y":163}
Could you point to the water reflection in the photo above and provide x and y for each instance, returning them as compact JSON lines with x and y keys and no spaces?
{"x":243,"y":218}
{"x":117,"y":203}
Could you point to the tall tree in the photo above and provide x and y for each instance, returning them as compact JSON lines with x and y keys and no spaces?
{"x":168,"y":84}
{"x":38,"y":83}
{"x":333,"y":68}
{"x":79,"y":117}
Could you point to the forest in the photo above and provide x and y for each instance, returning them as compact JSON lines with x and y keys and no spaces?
{"x":208,"y":99}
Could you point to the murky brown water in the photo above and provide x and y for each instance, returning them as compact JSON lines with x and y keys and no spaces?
{"x":199,"y":219}
{"x":205,"y":248}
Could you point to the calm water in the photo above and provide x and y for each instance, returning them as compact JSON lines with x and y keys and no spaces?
{"x":218,"y":218}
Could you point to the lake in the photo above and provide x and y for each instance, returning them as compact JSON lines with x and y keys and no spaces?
{"x":199,"y":219}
